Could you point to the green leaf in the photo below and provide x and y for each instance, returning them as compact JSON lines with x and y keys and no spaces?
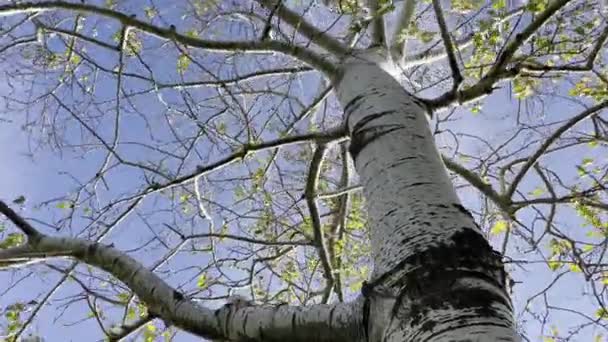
{"x":123,"y":297}
{"x":587,"y":161}
{"x":554,"y":265}
{"x":65,"y":205}
{"x":499,"y":4}
{"x":575,"y":268}
{"x":149,"y":332}
{"x":202,"y":281}
{"x":466,"y":5}
{"x":537,"y":191}
{"x":131,"y":315}
{"x":183,"y":62}
{"x":12,"y":240}
{"x":499,"y":227}
{"x":536,"y":5}
{"x":150,"y":12}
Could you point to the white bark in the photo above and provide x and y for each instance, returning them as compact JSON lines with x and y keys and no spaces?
{"x":338,"y":322}
{"x":435,"y":277}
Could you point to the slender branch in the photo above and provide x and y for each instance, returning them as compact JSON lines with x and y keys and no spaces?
{"x":250,"y":240}
{"x":449,"y":46}
{"x":509,"y":50}
{"x":550,"y":140}
{"x":320,"y":138}
{"x":305,"y":28}
{"x":563,"y":199}
{"x":588,"y":66}
{"x":302,"y":53}
{"x":502,"y":202}
{"x":378,"y":31}
{"x":18,"y":221}
{"x":432,"y":55}
{"x":399,"y":41}
{"x":340,"y":192}
{"x":73,"y":34}
{"x":499,"y":70}
{"x":18,"y":42}
{"x":311,"y":188}
{"x":120,"y":332}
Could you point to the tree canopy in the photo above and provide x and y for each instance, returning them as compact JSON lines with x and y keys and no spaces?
{"x":203,"y":140}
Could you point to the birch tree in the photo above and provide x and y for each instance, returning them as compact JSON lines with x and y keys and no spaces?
{"x":336,"y":170}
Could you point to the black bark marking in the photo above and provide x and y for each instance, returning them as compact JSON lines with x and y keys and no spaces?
{"x":153,"y":291}
{"x":390,"y":212}
{"x":134,"y":274}
{"x":369,"y":118}
{"x":177,"y":296}
{"x":433,"y":282}
{"x":463,"y":210}
{"x":366,"y":312}
{"x":114,"y":262}
{"x":418,"y":184}
{"x":92,"y":249}
{"x":440,"y":332}
{"x":401,"y":161}
{"x":293,"y":323}
{"x":366,"y":136}
{"x":466,"y":250}
{"x":352,"y":105}
{"x":244,"y":327}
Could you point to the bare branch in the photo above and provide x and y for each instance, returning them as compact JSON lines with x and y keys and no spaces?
{"x":310,"y":192}
{"x":399,"y":41}
{"x":377,"y":28}
{"x":550,"y":140}
{"x":305,"y":28}
{"x":302,"y":53}
{"x":449,"y":46}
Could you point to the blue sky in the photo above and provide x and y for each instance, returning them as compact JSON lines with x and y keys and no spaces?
{"x":43,"y":176}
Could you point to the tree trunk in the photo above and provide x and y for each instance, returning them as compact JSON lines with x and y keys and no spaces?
{"x":436,"y":278}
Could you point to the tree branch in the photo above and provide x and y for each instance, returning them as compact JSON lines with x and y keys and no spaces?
{"x":302,"y":53}
{"x":502,"y":202}
{"x":499,"y":69}
{"x":433,"y":55}
{"x":399,"y":41}
{"x":449,"y":46}
{"x":541,"y":150}
{"x":232,"y":323}
{"x":378,"y":31}
{"x":310,"y":193}
{"x":305,"y":28}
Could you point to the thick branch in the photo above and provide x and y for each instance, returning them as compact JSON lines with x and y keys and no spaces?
{"x":317,"y":322}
